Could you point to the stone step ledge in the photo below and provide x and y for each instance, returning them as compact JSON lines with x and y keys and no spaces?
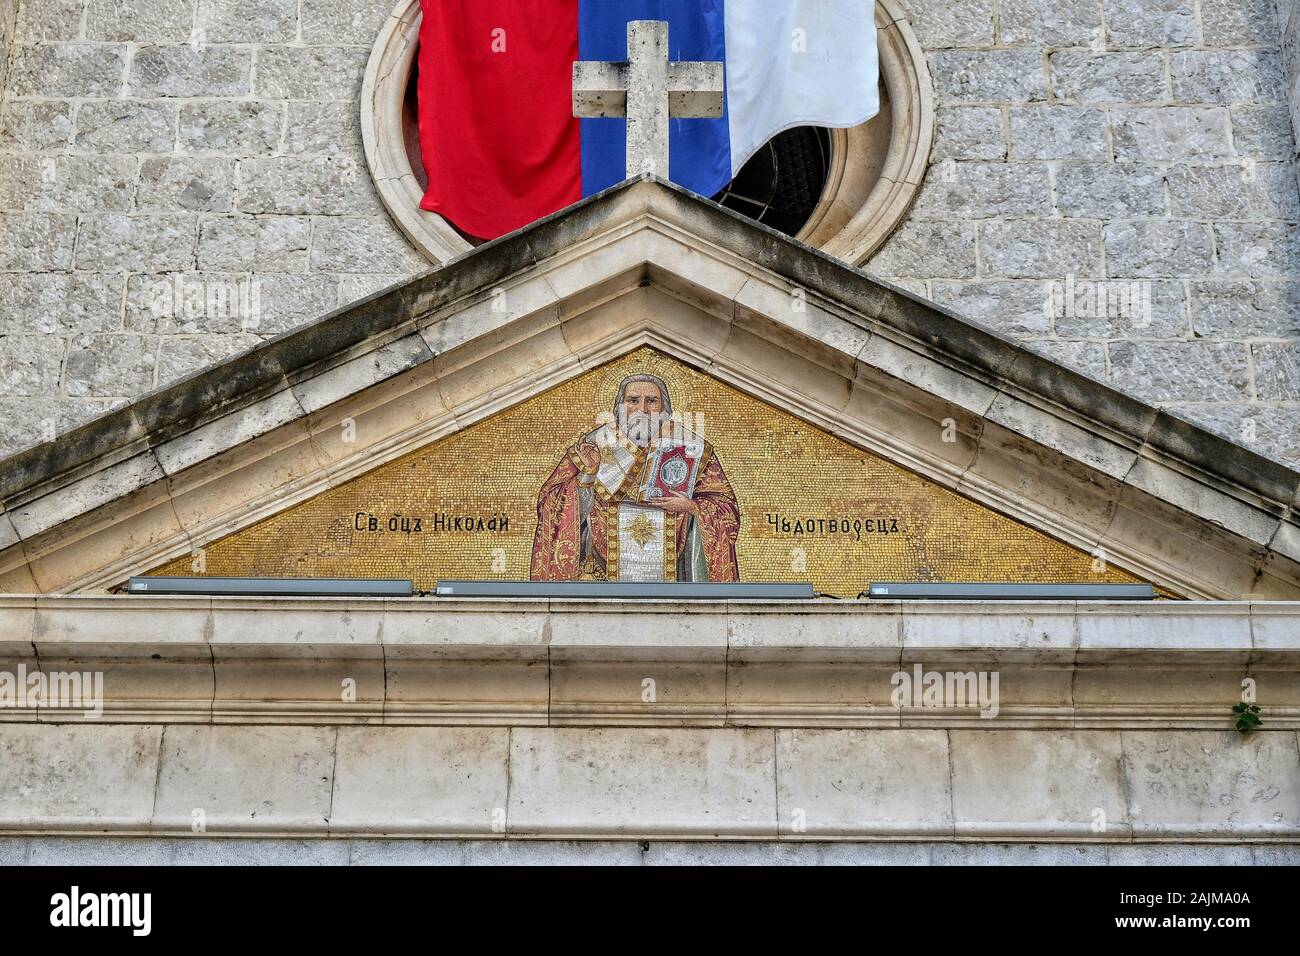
{"x":1078,"y":786}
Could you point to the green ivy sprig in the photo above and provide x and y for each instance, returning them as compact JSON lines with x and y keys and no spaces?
{"x":1247,"y":717}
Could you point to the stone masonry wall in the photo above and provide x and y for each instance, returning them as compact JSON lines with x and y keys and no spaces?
{"x":7,"y":9}
{"x":1132,"y":152}
{"x":178,"y":180}
{"x":181,"y":178}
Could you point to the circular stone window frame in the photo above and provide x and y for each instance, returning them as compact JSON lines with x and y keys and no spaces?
{"x":858,"y":209}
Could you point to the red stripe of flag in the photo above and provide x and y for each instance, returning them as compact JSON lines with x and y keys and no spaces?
{"x":499,"y":140}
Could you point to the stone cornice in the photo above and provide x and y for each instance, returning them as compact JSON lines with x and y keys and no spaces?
{"x":784,"y":664}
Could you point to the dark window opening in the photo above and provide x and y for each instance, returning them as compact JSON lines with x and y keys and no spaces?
{"x":782,"y":183}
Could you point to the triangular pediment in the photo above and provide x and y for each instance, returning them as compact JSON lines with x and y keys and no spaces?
{"x":810,"y":506}
{"x":827,"y":395}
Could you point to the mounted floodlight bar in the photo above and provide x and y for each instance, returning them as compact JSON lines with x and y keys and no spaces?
{"x":660,"y":590}
{"x":273,"y":587}
{"x":1012,"y":592}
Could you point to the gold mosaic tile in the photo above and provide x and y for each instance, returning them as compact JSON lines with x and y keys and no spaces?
{"x":783,"y":472}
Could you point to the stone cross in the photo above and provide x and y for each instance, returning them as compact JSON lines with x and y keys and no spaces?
{"x":648,"y":89}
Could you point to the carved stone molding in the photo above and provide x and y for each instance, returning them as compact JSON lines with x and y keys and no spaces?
{"x":447,"y":661}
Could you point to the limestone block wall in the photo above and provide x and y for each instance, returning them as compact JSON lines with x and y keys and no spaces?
{"x":6,"y":36}
{"x":180,"y":180}
{"x":1119,"y":142}
{"x":1289,"y":27}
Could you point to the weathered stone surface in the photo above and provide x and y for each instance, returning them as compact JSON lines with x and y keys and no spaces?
{"x":136,"y":243}
{"x":1198,"y":781}
{"x":101,"y":780}
{"x":1110,"y":308}
{"x":110,"y":365}
{"x":571,"y":780}
{"x":244,"y":778}
{"x":1058,"y":132}
{"x":1060,"y":780}
{"x":55,"y":183}
{"x":352,"y":288}
{"x":1163,"y":249}
{"x":451,"y":780}
{"x":60,"y":302}
{"x":969,"y":132}
{"x":1277,"y":371}
{"x":36,"y":241}
{"x":940,"y":24}
{"x":1046,"y":248}
{"x":35,"y":125}
{"x":1067,"y":23}
{"x":1227,"y":76}
{"x":1174,"y":133}
{"x":1246,"y":308}
{"x":185,"y":355}
{"x":192,"y":302}
{"x":1086,"y":358}
{"x":925,"y":249}
{"x":30,"y":421}
{"x":1250,"y":191}
{"x":1262,"y":132}
{"x":1151,"y":23}
{"x":325,"y":127}
{"x":49,"y":20}
{"x":286,"y":301}
{"x":231,"y":127}
{"x":135,"y":851}
{"x":246,"y":21}
{"x":849,"y":781}
{"x":1110,"y":190}
{"x":1271,"y":430}
{"x":354,"y":22}
{"x":126,"y":126}
{"x":67,"y":69}
{"x":1258,"y":249}
{"x":190,"y":71}
{"x":362,"y":245}
{"x":199,"y":185}
{"x":984,"y":191}
{"x":271,"y":243}
{"x":29,"y":364}
{"x":1020,"y":307}
{"x":310,"y":73}
{"x":139,"y":20}
{"x":1234,"y":22}
{"x":317,"y":185}
{"x":1181,"y":371}
{"x":1085,"y":77}
{"x":988,"y":76}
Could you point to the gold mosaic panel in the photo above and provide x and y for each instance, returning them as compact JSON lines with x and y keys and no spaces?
{"x":777,"y":465}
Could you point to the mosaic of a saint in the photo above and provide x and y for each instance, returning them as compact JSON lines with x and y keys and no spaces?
{"x":640,"y":498}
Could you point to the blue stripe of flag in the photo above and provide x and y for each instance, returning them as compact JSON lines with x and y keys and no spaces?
{"x":699,"y":155}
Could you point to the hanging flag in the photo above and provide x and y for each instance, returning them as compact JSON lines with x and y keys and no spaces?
{"x":501,"y":147}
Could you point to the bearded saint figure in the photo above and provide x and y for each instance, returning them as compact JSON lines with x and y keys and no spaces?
{"x":600,"y":518}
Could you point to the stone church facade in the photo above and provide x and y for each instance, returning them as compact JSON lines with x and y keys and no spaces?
{"x":210,"y":317}
{"x":1114,"y":142}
